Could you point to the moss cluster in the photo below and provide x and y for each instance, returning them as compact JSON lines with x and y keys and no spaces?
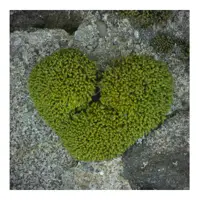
{"x":162,"y":43}
{"x":140,"y":88}
{"x":135,"y":95}
{"x":62,"y":82}
{"x":147,"y":17}
{"x":99,"y":133}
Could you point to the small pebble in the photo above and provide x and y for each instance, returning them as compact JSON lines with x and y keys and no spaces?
{"x":101,"y":173}
{"x":136,"y":34}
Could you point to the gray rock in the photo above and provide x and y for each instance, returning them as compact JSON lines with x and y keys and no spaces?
{"x":101,"y":28}
{"x":37,"y":158}
{"x":87,"y":37}
{"x":161,"y":162}
{"x":106,"y":175}
{"x":180,"y":25}
{"x":68,"y":20}
{"x":104,"y":38}
{"x":181,"y":84}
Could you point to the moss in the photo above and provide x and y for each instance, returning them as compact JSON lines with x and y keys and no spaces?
{"x":162,"y":43}
{"x":99,"y":133}
{"x":135,"y":94}
{"x":140,"y":88}
{"x":60,"y":83}
{"x":147,"y":17}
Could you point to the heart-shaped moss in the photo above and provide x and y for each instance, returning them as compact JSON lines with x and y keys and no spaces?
{"x":135,"y":94}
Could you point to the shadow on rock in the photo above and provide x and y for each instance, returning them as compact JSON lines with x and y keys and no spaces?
{"x":60,"y":19}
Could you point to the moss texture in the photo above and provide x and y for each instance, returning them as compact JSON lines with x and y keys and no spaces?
{"x":135,"y":94}
{"x":147,"y":17}
{"x":140,"y":88}
{"x":99,"y":133}
{"x":163,"y":43}
{"x":60,"y":83}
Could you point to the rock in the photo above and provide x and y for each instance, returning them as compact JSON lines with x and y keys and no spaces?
{"x":101,"y":28}
{"x":39,"y":166}
{"x":37,"y":158}
{"x":106,"y":175}
{"x":103,"y":38}
{"x":178,"y":68}
{"x":136,"y":34}
{"x":68,"y":20}
{"x":161,"y":162}
{"x":180,"y":25}
{"x":86,"y":37}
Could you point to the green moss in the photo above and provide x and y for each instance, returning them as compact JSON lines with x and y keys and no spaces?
{"x":99,"y":133}
{"x":140,"y":88}
{"x":136,"y":93}
{"x":147,"y":17}
{"x":60,"y":83}
{"x":162,"y":43}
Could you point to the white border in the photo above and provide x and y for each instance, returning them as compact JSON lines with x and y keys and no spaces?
{"x":99,"y":5}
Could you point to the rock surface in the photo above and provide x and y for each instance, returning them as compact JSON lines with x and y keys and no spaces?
{"x":106,"y":175}
{"x":162,"y":160}
{"x":38,"y":160}
{"x":37,"y":157}
{"x":68,"y":20}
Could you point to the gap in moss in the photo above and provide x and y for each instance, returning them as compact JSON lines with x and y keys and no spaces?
{"x":97,"y":95}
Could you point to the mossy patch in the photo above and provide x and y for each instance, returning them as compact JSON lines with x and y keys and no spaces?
{"x":147,"y":18}
{"x":139,"y":88}
{"x":60,"y":83}
{"x":134,"y":95}
{"x":163,"y":43}
{"x":99,"y":133}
